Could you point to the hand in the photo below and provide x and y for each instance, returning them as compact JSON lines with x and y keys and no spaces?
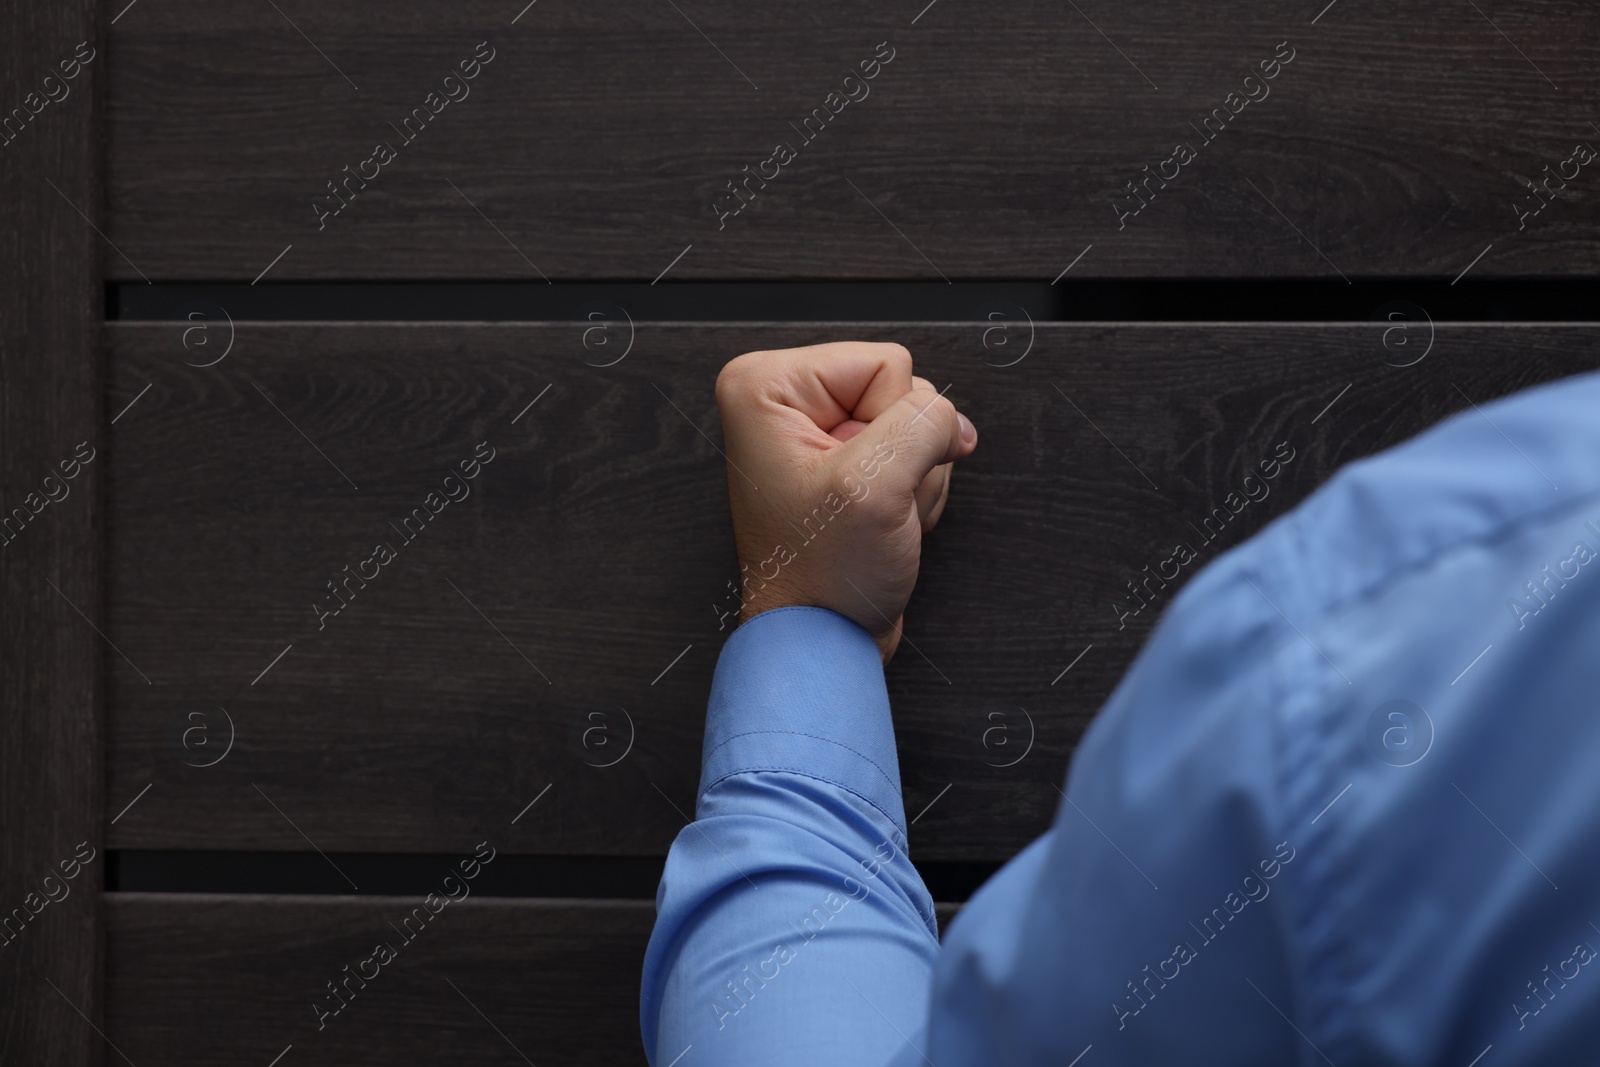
{"x":839,"y":461}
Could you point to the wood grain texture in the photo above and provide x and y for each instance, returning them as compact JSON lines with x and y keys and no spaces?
{"x":595,"y":549}
{"x":995,"y":144}
{"x":51,"y":784}
{"x":232,"y":979}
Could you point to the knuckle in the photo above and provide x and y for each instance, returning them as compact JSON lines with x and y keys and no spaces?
{"x":731,"y":380}
{"x":898,"y":354}
{"x":927,"y":406}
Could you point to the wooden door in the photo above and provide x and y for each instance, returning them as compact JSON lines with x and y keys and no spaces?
{"x":378,"y":340}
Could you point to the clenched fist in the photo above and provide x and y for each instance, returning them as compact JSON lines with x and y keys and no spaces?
{"x":839,"y":461}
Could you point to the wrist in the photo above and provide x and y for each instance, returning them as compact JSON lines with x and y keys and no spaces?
{"x":768,"y":598}
{"x":766,"y":583}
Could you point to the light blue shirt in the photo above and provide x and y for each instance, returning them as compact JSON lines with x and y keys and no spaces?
{"x":1344,"y":808}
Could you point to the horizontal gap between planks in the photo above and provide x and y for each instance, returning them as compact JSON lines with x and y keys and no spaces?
{"x":393,"y":874}
{"x":1090,"y":300}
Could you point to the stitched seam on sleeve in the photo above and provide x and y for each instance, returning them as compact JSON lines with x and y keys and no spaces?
{"x":798,"y":733}
{"x":1303,"y":737}
{"x":804,"y":773}
{"x":795,"y":607}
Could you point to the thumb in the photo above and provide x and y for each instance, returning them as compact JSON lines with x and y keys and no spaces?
{"x":917,"y":433}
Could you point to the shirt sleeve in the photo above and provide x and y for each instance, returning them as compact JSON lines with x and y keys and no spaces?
{"x":1252,"y":862}
{"x":1165,"y":917}
{"x":791,"y":926}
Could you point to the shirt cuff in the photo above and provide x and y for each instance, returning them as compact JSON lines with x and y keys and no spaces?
{"x":801,"y":690}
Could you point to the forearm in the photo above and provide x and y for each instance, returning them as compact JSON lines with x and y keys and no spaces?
{"x":791,"y":925}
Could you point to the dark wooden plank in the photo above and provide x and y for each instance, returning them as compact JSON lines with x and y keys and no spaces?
{"x":998,"y":140}
{"x":51,"y":787}
{"x":232,"y":979}
{"x":594,"y":551}
{"x":235,"y":979}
